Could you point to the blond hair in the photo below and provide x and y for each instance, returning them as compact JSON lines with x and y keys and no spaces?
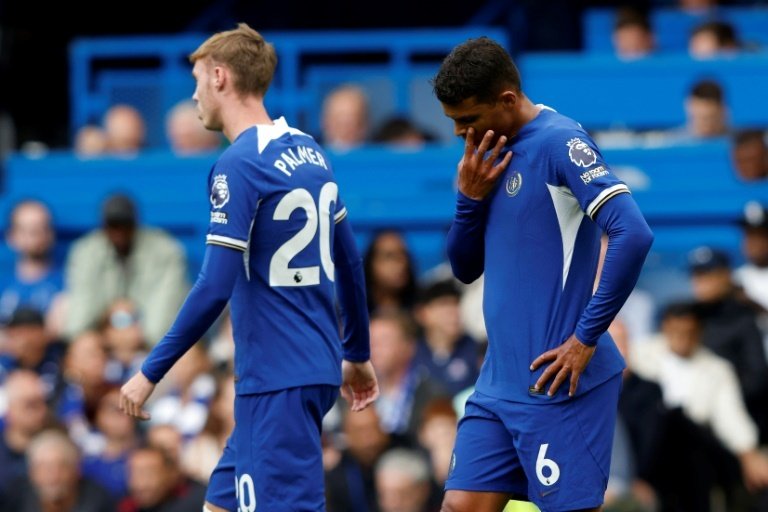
{"x":244,"y":51}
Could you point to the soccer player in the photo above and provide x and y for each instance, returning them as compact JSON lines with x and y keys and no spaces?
{"x":534,"y":195}
{"x":279,"y":249}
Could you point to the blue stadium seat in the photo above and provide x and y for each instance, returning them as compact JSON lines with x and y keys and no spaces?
{"x":602,"y":92}
{"x":673,"y":27}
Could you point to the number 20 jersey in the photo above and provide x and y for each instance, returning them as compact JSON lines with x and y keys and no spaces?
{"x":273,"y":196}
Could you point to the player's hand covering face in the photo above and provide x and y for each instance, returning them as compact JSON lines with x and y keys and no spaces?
{"x":477,"y":172}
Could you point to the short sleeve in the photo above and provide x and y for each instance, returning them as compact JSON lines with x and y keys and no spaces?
{"x":580,"y":166}
{"x":234,"y":200}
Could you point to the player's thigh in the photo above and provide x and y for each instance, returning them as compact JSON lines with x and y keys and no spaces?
{"x":221,"y":490}
{"x":484,"y":459}
{"x":565,"y":448}
{"x":279,"y":455}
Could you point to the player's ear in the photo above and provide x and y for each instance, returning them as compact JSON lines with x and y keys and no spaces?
{"x":219,"y":77}
{"x":508,"y":98}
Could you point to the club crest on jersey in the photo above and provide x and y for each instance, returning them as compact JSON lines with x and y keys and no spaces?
{"x":580,"y":153}
{"x":514,"y":184}
{"x":219,"y":191}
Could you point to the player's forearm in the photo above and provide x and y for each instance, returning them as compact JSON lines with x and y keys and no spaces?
{"x":351,"y":292}
{"x":203,"y":305}
{"x":466,"y":239}
{"x":629,"y":240}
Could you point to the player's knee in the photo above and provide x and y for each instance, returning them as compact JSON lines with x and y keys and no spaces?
{"x":212,"y":508}
{"x":453,"y":502}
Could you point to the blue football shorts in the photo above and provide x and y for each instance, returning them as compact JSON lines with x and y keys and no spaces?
{"x":273,"y":458}
{"x":557,"y":454}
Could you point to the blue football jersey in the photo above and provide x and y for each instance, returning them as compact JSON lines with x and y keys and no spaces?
{"x":273,"y":196}
{"x":541,"y":254}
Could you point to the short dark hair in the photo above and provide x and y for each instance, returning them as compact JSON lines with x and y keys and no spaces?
{"x":724,"y":32}
{"x":630,"y":17}
{"x":479,"y":68}
{"x":682,"y":309}
{"x":748,"y":135}
{"x":707,"y":90}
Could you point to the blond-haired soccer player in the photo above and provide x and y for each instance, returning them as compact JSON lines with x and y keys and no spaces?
{"x":280,"y":249}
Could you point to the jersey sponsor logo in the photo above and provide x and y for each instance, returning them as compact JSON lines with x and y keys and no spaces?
{"x":219,"y":191}
{"x":514,"y":184}
{"x":218,"y":218}
{"x":593,"y":174}
{"x":580,"y":153}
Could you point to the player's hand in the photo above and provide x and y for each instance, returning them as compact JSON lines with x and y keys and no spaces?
{"x":133,"y":394}
{"x":570,"y":358}
{"x":754,"y":467}
{"x":477,"y":174}
{"x":359,"y":386}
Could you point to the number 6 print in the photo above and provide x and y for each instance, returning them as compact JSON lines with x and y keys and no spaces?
{"x":543,"y":462}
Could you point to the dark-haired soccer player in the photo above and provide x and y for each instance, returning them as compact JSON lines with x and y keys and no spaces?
{"x":534,"y":196}
{"x":279,"y":250}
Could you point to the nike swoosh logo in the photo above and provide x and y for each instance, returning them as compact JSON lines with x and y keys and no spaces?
{"x":548,"y":492}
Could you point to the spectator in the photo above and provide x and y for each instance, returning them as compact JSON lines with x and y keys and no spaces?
{"x":697,"y":6}
{"x":405,"y":387}
{"x":632,"y":35}
{"x":402,"y":482}
{"x":155,"y":483}
{"x":749,"y":154}
{"x":753,"y":275}
{"x":91,"y":141}
{"x":447,"y":353}
{"x":389,"y":274}
{"x":200,"y":456}
{"x":36,"y":280}
{"x":28,"y":346}
{"x":186,"y":133}
{"x":107,"y":464}
{"x":191,"y":387}
{"x":704,"y":386}
{"x":124,"y":340}
{"x":713,"y":38}
{"x":345,"y":118}
{"x":85,"y":369}
{"x":124,"y":260}
{"x":26,"y":416}
{"x":125,"y":129}
{"x":167,"y":439}
{"x":638,"y":437}
{"x":437,"y":434}
{"x":350,"y":482}
{"x":401,"y":132}
{"x":730,"y":329}
{"x":55,"y":483}
{"x":706,"y":111}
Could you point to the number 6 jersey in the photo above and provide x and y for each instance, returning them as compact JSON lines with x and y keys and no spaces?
{"x":273,"y":196}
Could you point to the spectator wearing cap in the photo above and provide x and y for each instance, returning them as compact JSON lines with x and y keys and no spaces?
{"x":124,"y":260}
{"x":753,"y":275}
{"x":729,"y":328}
{"x":447,"y":353}
{"x":29,"y":346}
{"x":36,"y":279}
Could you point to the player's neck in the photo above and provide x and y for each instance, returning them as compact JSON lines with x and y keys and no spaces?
{"x":243,"y":114}
{"x":528,"y":112}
